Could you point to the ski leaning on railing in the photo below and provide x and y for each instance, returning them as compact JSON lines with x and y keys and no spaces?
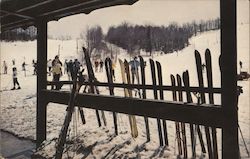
{"x":128,"y":93}
{"x":153,"y":74}
{"x":93,"y":89}
{"x":70,"y":109}
{"x":194,"y":129}
{"x":212,"y":147}
{"x":143,"y":82}
{"x":160,"y":83}
{"x":108,"y":67}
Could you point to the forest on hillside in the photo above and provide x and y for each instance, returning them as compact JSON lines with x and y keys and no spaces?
{"x":132,"y":38}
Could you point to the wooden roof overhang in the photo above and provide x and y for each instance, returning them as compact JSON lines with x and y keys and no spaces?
{"x":24,"y":13}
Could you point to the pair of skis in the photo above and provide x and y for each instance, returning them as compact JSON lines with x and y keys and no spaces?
{"x":125,"y":73}
{"x":162,"y":125}
{"x":108,"y":67}
{"x":210,"y":132}
{"x":67,"y":120}
{"x":143,"y":94}
{"x":93,"y":89}
{"x":180,"y":126}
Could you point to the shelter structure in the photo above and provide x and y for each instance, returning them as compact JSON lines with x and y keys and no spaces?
{"x":16,"y":13}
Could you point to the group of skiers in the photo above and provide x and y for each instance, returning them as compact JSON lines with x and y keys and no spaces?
{"x":98,"y":64}
{"x":72,"y":68}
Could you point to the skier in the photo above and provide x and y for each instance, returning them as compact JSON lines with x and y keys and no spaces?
{"x":5,"y":67}
{"x":71,"y":69}
{"x":134,"y":69}
{"x":76,"y":68}
{"x":14,"y":62}
{"x":101,"y":66}
{"x":35,"y":66}
{"x":49,"y":64}
{"x":23,"y":66}
{"x":57,"y":71}
{"x":113,"y":70}
{"x":65,"y":66}
{"x":15,"y":81}
{"x":240,"y":65}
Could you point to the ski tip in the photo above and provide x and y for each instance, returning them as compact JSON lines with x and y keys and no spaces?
{"x":207,"y":53}
{"x":197,"y":53}
{"x":171,"y":76}
{"x":178,"y":76}
{"x":185,"y":74}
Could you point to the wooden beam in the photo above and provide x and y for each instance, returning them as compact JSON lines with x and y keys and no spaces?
{"x":228,"y":63}
{"x":17,"y":14}
{"x":139,"y":86}
{"x":41,"y":80}
{"x":175,"y":111}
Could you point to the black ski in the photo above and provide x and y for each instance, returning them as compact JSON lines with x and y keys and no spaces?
{"x":92,"y":79}
{"x":203,"y":100}
{"x":153,"y":73}
{"x":67,"y":120}
{"x":183,"y":129}
{"x":177,"y":124}
{"x":143,"y":82}
{"x":211,"y":98}
{"x":108,"y":67}
{"x":164,"y":123}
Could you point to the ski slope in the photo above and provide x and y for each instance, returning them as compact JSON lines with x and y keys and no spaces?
{"x":18,"y":108}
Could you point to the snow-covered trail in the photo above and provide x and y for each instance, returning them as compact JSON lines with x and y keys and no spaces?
{"x":18,"y":108}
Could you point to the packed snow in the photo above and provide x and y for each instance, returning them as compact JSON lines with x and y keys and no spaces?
{"x":18,"y":107}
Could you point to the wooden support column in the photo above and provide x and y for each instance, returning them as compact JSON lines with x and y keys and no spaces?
{"x":228,"y":62}
{"x":41,"y":81}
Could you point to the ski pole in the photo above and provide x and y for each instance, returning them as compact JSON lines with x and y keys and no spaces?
{"x":243,"y":140}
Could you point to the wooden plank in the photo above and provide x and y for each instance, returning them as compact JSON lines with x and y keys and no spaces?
{"x":168,"y":110}
{"x":228,"y":63}
{"x":140,"y":86}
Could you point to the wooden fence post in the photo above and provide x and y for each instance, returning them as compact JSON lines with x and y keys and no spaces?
{"x":41,"y":81}
{"x":228,"y":63}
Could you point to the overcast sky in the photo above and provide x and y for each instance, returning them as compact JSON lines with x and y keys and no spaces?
{"x":156,"y":12}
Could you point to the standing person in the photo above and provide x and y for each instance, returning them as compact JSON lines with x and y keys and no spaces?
{"x":71,"y":69}
{"x":101,"y":66}
{"x":113,"y":70}
{"x":23,"y":68}
{"x":49,"y":65}
{"x":5,"y":67}
{"x":14,"y":62}
{"x":65,"y":65}
{"x":35,"y":66}
{"x":240,"y":65}
{"x":76,"y":68}
{"x":56,"y":71}
{"x":15,"y":81}
{"x":134,"y":69}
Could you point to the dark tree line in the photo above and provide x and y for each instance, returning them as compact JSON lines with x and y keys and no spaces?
{"x":157,"y":38}
{"x":20,"y":34}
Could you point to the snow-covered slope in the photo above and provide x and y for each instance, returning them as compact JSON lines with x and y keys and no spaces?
{"x":18,"y":108}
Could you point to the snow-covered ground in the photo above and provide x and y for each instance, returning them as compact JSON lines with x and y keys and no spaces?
{"x":18,"y":108}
